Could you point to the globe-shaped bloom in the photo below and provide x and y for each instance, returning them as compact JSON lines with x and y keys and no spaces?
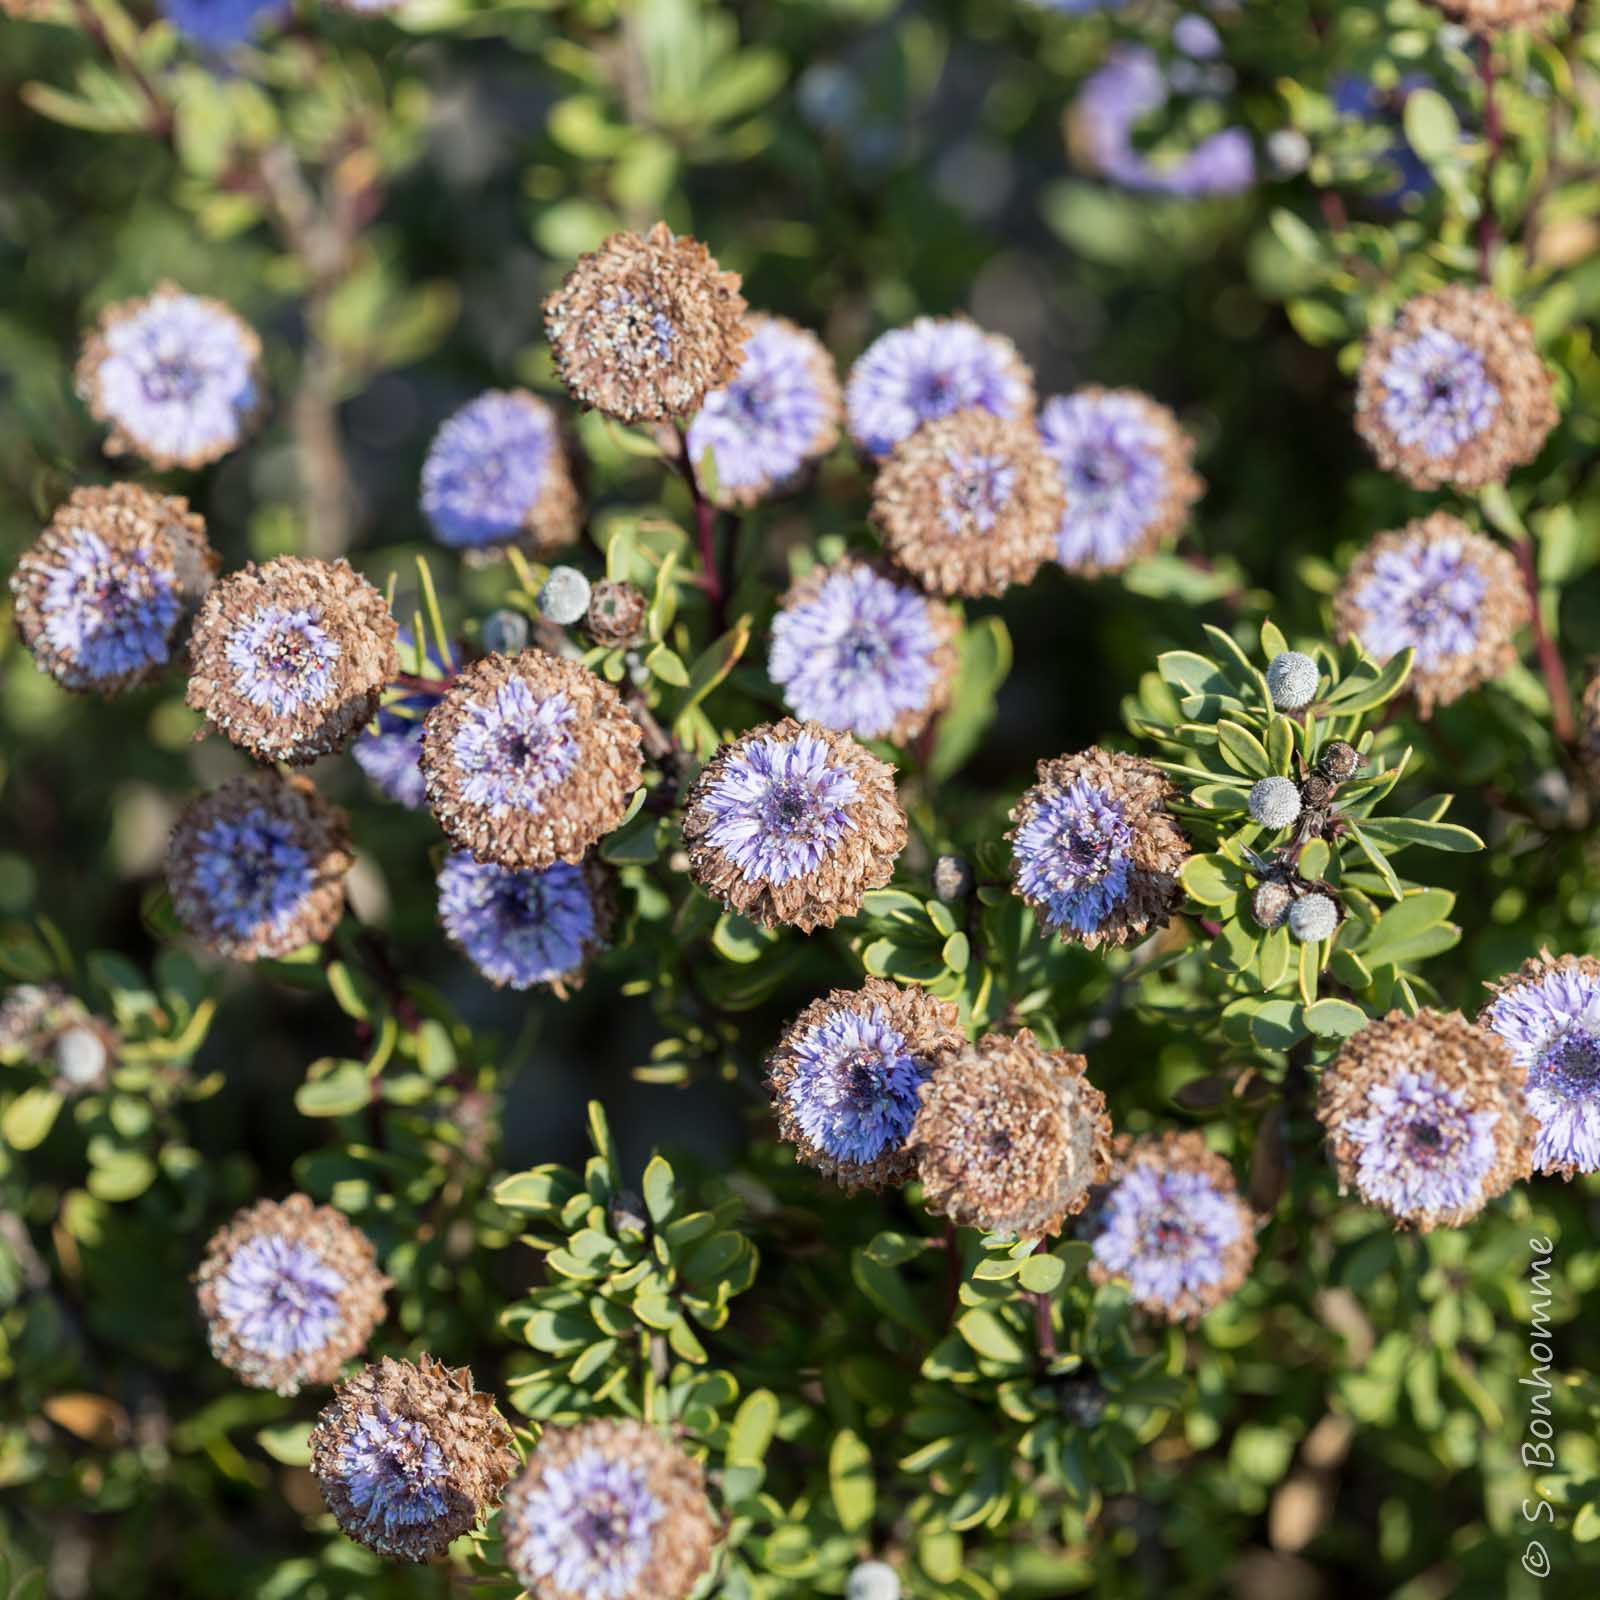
{"x":792,"y":824}
{"x":1124,"y":465}
{"x":858,"y":650}
{"x":390,"y":754}
{"x":1453,"y":391}
{"x":1548,"y":1012}
{"x":410,"y":1457}
{"x":176,"y":377}
{"x":1274,"y":802}
{"x":257,"y":868}
{"x":1172,"y":1223}
{"x":1435,"y":587}
{"x":105,"y":595}
{"x":1292,"y":680}
{"x":1010,"y":1137}
{"x":846,"y":1073}
{"x":1313,"y":918}
{"x":645,"y":327}
{"x":1426,"y":1117}
{"x":930,"y":369}
{"x":529,"y":759}
{"x":220,"y":24}
{"x":522,"y":926}
{"x":497,"y":475}
{"x":778,"y":415}
{"x":290,"y":659}
{"x":608,"y":1510}
{"x":289,"y":1292}
{"x":1093,"y":850}
{"x":969,"y":504}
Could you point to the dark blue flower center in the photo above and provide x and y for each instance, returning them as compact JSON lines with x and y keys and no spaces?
{"x":171,"y":378}
{"x":1425,"y":1139}
{"x":1572,"y":1065}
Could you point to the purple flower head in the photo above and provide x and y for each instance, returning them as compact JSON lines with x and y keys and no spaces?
{"x":853,"y":1087}
{"x":280,"y":1298}
{"x":587,"y":1528}
{"x":252,"y":873}
{"x":1426,"y":596}
{"x":518,"y":926}
{"x":1550,"y":1017}
{"x":390,"y":756}
{"x":975,"y":491}
{"x":1362,"y":99}
{"x":1074,"y":857}
{"x":1167,"y":1230}
{"x":1437,"y":393}
{"x":393,"y":1472}
{"x":282,"y":659}
{"x":109,"y":612}
{"x":489,"y":467}
{"x":860,"y":652}
{"x":1422,"y":1148}
{"x":513,"y":746}
{"x":779,"y":808}
{"x":780,"y":413}
{"x":219,"y":24}
{"x":936,"y":366}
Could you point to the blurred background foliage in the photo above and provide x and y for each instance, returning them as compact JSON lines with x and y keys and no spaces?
{"x":388,"y":201}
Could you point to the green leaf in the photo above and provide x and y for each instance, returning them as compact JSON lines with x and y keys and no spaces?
{"x":712,"y":665}
{"x":850,"y":1481}
{"x":668,"y":666}
{"x":333,"y":1089}
{"x":30,"y":1117}
{"x":983,"y":661}
{"x":122,"y":1175}
{"x":1431,"y":127}
{"x":1378,"y":859}
{"x":741,"y":941}
{"x":1359,"y":694}
{"x":660,"y":1192}
{"x":1335,"y":1019}
{"x":1398,"y":832}
{"x":1278,"y":1024}
{"x":1042,"y":1274}
{"x":887,"y":1290}
{"x":1241,"y":749}
{"x":990,"y":1337}
{"x":289,"y":1443}
{"x":753,"y":1426}
{"x":1211,"y":880}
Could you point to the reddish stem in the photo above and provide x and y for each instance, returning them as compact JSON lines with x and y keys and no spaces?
{"x":1550,"y":663}
{"x":1488,"y":228}
{"x":1044,"y":1329}
{"x":409,"y":680}
{"x":705,"y":531}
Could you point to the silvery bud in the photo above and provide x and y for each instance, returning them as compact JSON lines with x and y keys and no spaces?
{"x":565,"y":596}
{"x":1313,"y":918}
{"x":1274,"y":802}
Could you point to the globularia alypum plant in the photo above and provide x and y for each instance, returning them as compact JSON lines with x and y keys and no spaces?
{"x":868,"y":658}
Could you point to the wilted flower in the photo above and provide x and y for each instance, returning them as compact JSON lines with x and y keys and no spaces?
{"x":856,"y":650}
{"x":608,"y":1510}
{"x":1292,"y":679}
{"x":529,"y":759}
{"x":1453,"y":391}
{"x":1313,"y":918}
{"x":497,"y":474}
{"x":564,"y":597}
{"x":176,"y":376}
{"x":1548,"y":1012}
{"x":1093,"y":850}
{"x":969,"y":504}
{"x":290,"y":659}
{"x":390,"y":755}
{"x":778,"y":415}
{"x":219,"y":24}
{"x":289,"y":1292}
{"x":934,"y":367}
{"x":1426,"y":1117}
{"x":1495,"y":16}
{"x":845,"y":1076}
{"x":1010,"y":1137}
{"x":1450,"y":594}
{"x":522,"y":926}
{"x":793,"y":823}
{"x":105,"y":595}
{"x":1274,"y":802}
{"x":1172,"y":1223}
{"x":643,"y":329}
{"x":256,"y":868}
{"x":617,"y":612}
{"x":410,"y":1457}
{"x":1124,"y":464}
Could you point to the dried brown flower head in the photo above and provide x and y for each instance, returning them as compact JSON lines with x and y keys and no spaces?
{"x":617,"y":612}
{"x":643,"y":328}
{"x":1010,"y":1136}
{"x":529,"y":759}
{"x":1496,"y":16}
{"x":970,"y":503}
{"x":792,"y":824}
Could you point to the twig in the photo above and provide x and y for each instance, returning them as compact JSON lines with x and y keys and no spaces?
{"x":1043,"y":1325}
{"x":1563,"y":721}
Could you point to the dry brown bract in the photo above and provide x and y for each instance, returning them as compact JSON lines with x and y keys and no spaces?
{"x":969,"y":503}
{"x":642,"y":329}
{"x":1010,"y":1136}
{"x":617,"y":612}
{"x":1495,"y":16}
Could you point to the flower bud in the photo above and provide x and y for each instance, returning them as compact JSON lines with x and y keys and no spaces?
{"x":1270,"y":903}
{"x":1340,"y":762}
{"x":1274,"y":802}
{"x":565,"y":596}
{"x":616,"y":612}
{"x":1312,"y":918}
{"x":873,"y":1580}
{"x":952,"y":878}
{"x":1292,"y":680}
{"x":505,"y":632}
{"x":1317,"y":791}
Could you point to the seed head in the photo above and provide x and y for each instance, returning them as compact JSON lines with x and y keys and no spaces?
{"x":1339,"y":762}
{"x":952,"y":879}
{"x":617,"y":612}
{"x":565,"y":596}
{"x":1313,"y":918}
{"x":1274,"y":802}
{"x":1317,"y":792}
{"x":1292,"y":680}
{"x":1269,"y":905}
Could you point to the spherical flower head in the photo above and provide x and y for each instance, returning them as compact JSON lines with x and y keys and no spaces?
{"x":1093,"y":850}
{"x":1453,"y":391}
{"x":969,"y":504}
{"x":617,"y":612}
{"x":1339,"y":762}
{"x":410,"y":1457}
{"x":608,"y":1510}
{"x":644,"y":328}
{"x":1010,"y":1137}
{"x":1171,"y":1222}
{"x":522,"y":926}
{"x":1426,"y":1118}
{"x":1124,"y":465}
{"x":872,"y":1580}
{"x":792,"y":824}
{"x":289,"y":1292}
{"x":564,"y":599}
{"x":778,"y":415}
{"x":846,"y":1073}
{"x":529,"y":759}
{"x":934,"y":368}
{"x":1273,"y":802}
{"x":176,"y":377}
{"x":1292,"y":679}
{"x":497,"y":474}
{"x":221,"y":24}
{"x":257,"y":868}
{"x":858,"y":650}
{"x":1548,"y":1012}
{"x":1436,"y":587}
{"x":390,"y":754}
{"x":105,"y":595}
{"x":1270,"y":903}
{"x":290,"y":659}
{"x":1489,"y":17}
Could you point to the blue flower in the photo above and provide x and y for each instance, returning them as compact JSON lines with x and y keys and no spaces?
{"x":393,"y":1471}
{"x":1421,"y":1147}
{"x":513,"y":747}
{"x":391,"y":755}
{"x":1362,"y":99}
{"x":853,"y":1091}
{"x":1437,"y":393}
{"x":519,"y":926}
{"x":253,"y":872}
{"x":280,"y":1296}
{"x":1075,"y":854}
{"x":220,"y":24}
{"x":1423,"y":595}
